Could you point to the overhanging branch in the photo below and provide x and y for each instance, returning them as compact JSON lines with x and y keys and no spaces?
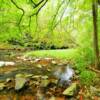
{"x":36,"y":13}
{"x":36,"y":5}
{"x":23,"y":12}
{"x":55,"y":15}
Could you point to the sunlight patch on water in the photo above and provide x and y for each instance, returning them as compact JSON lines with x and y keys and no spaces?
{"x":5,"y":63}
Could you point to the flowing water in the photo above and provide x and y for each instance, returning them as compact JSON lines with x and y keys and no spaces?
{"x":12,"y":64}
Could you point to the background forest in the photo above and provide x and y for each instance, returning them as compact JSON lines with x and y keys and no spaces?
{"x":52,"y":24}
{"x":62,"y":29}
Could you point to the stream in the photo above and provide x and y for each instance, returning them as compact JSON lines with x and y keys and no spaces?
{"x":36,"y":76}
{"x":31,"y":78}
{"x":16,"y":66}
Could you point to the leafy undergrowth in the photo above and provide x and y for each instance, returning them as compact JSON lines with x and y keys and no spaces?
{"x":5,"y":46}
{"x":60,"y":54}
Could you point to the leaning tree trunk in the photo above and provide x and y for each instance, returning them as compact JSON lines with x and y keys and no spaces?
{"x":95,"y":33}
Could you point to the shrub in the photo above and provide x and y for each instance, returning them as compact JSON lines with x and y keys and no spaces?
{"x":87,"y":77}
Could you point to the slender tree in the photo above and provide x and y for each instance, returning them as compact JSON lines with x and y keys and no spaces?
{"x":95,"y":33}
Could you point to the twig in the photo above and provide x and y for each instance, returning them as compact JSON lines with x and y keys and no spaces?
{"x":95,"y":70}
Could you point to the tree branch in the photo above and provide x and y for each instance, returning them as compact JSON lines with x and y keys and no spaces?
{"x":23,"y":12}
{"x":53,"y":26}
{"x":36,"y":5}
{"x":36,"y":13}
{"x":55,"y":15}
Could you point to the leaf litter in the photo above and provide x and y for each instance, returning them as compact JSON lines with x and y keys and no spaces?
{"x":50,"y":79}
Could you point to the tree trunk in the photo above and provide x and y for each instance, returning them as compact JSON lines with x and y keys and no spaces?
{"x":95,"y":33}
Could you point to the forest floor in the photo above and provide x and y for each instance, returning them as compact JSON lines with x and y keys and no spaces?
{"x":42,"y":78}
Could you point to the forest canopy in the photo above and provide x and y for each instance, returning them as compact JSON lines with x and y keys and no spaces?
{"x":56,"y":23}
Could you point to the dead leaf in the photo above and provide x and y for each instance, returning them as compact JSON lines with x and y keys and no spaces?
{"x":2,"y":85}
{"x":70,"y":90}
{"x":20,"y":81}
{"x":44,"y":83}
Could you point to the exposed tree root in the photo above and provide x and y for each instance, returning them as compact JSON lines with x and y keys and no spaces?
{"x":95,"y":70}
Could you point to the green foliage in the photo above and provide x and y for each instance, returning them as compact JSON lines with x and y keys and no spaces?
{"x":50,"y":25}
{"x":87,"y":77}
{"x":80,"y":64}
{"x":60,"y":54}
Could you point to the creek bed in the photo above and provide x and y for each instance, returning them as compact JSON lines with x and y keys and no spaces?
{"x":38,"y":68}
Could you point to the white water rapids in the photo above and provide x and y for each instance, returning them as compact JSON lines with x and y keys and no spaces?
{"x":64,"y":75}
